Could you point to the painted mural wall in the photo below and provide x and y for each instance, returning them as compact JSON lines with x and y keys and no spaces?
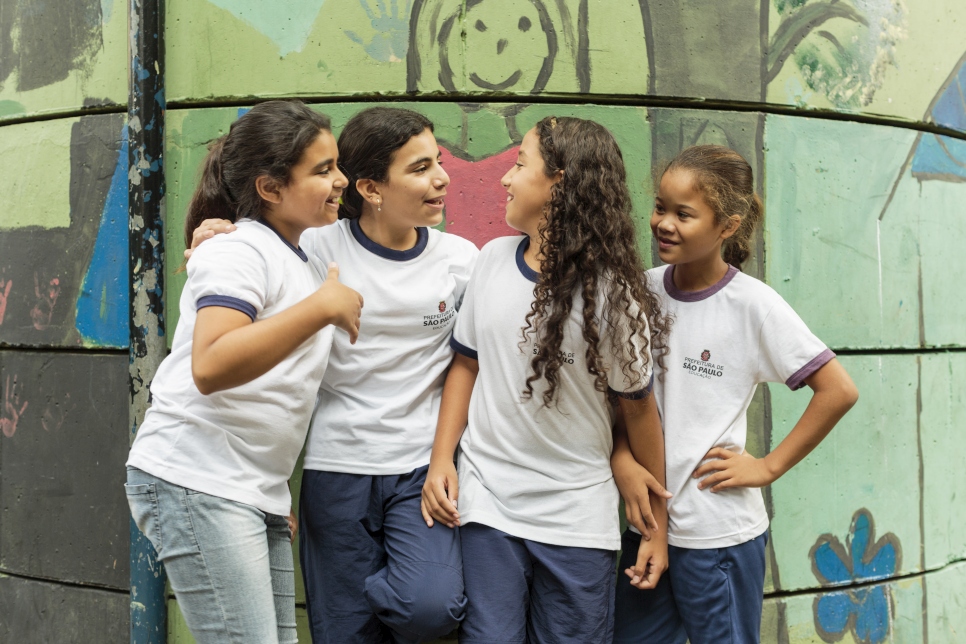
{"x":852,"y":113}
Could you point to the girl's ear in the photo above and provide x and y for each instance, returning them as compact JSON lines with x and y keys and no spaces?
{"x":731,"y":226}
{"x":369,"y":190}
{"x":558,"y":177}
{"x":268,"y":189}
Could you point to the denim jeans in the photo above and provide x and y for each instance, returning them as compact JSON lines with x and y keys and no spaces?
{"x":230,"y":564}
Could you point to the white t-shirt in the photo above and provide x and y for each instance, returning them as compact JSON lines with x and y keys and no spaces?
{"x":242,"y":443}
{"x":380,"y":396}
{"x":726,"y":339}
{"x":535,"y":472}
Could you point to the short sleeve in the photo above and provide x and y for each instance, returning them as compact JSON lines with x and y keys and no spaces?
{"x":464,"y":339}
{"x":634,"y":381}
{"x":228,"y":273}
{"x":789,"y":351}
{"x":464,"y":262}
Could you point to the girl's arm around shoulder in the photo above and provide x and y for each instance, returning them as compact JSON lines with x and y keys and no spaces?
{"x":230,"y":349}
{"x":441,"y":490}
{"x":834,"y":394}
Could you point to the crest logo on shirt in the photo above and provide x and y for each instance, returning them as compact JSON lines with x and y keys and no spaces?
{"x":442,"y":320}
{"x":703,"y":368}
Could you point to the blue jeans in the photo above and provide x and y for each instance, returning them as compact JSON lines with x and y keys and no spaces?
{"x":230,"y":564}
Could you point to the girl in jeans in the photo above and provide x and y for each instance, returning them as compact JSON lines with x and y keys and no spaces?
{"x":208,"y":472}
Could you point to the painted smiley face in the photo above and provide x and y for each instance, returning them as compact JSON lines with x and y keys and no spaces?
{"x":498,"y":42}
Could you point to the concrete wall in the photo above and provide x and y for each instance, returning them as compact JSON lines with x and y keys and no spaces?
{"x":851,"y":112}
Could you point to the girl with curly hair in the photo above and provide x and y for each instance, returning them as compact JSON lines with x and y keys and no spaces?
{"x":731,"y":333}
{"x":554,"y":326}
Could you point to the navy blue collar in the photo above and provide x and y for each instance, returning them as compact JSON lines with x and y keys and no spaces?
{"x":422,"y":238}
{"x":528,"y":272}
{"x":295,"y":249}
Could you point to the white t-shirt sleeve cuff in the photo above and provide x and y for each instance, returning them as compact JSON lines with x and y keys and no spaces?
{"x":462,"y":349}
{"x":797,"y":379}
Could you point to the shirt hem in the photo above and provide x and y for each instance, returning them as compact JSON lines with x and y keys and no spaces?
{"x":207,"y":486}
{"x":724,"y":541}
{"x":365,"y":469}
{"x":597,"y":542}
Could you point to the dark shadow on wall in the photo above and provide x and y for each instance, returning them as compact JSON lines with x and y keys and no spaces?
{"x":42,"y":269}
{"x":52,"y":40}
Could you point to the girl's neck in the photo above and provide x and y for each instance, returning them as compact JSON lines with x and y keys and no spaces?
{"x":289,"y":233}
{"x":700,"y":274}
{"x":532,"y":255}
{"x":381,"y":231}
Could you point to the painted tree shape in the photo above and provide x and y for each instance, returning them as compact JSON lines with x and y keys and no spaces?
{"x":842,"y":49}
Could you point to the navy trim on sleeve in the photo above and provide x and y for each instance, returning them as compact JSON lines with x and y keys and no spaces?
{"x":228,"y":303}
{"x":422,"y":238}
{"x":797,"y":380}
{"x":528,"y":272}
{"x":295,"y":249}
{"x":641,"y":394}
{"x":462,"y":350}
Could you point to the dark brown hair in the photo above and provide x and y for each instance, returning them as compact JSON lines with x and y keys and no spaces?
{"x":588,"y":246}
{"x":267,"y":140}
{"x":725,"y":180}
{"x":368,"y":145}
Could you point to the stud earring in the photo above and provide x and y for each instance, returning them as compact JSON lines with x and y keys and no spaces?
{"x":379,"y":206}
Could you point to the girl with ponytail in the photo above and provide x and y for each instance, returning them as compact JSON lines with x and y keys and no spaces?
{"x":207,"y":476}
{"x":731,"y":333}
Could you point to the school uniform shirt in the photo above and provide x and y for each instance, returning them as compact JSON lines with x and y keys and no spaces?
{"x":380,"y":397}
{"x":726,"y":339}
{"x":536,"y":472}
{"x":242,"y":443}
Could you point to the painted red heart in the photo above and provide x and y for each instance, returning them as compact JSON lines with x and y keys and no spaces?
{"x":475,"y":200}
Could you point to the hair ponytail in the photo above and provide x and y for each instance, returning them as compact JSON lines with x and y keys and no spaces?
{"x":725,"y":180}
{"x":268,"y":140}
{"x":210,"y":199}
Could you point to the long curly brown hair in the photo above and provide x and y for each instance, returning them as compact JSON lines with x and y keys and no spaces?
{"x":588,"y":245}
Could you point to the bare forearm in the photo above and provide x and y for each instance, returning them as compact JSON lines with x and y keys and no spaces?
{"x":454,"y":407}
{"x":834,"y":396}
{"x":645,"y":436}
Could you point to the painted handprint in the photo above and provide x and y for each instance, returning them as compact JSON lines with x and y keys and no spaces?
{"x":47,"y":296}
{"x":12,"y":409}
{"x":390,"y":42}
{"x":53,"y":417}
{"x":5,"y":286}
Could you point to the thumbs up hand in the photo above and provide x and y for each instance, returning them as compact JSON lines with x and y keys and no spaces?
{"x":343,"y":306}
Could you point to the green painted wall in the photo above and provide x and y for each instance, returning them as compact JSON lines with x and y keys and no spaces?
{"x":833,"y":103}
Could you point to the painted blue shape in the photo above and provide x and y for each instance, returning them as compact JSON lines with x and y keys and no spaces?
{"x":830,"y":565}
{"x":941,"y":157}
{"x":287,"y":24}
{"x":864,"y":560}
{"x":390,"y":40}
{"x":833,"y":611}
{"x":102,"y":306}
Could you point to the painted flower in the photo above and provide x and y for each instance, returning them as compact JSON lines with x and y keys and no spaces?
{"x":866,"y":610}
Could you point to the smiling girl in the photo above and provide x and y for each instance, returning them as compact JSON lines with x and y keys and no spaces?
{"x":373,"y":571}
{"x":207,"y":478}
{"x":553,"y":324}
{"x":731,"y":333}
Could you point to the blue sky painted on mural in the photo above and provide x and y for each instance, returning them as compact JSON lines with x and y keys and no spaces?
{"x":942,"y":157}
{"x":288,"y":24}
{"x":102,"y":306}
{"x":865,"y":611}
